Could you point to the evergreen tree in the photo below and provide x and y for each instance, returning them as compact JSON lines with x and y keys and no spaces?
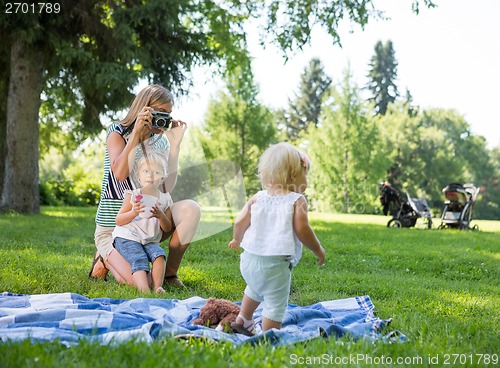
{"x":238,"y":128}
{"x":347,"y":162}
{"x":410,"y":108}
{"x":382,"y":77}
{"x":305,"y":108}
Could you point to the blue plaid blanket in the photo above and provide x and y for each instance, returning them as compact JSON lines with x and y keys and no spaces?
{"x":70,"y":317}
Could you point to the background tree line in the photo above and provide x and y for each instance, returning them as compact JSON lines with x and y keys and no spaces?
{"x":61,"y":75}
{"x":358,"y":137}
{"x":81,"y":59}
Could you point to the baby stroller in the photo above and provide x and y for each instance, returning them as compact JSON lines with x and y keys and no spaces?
{"x":457,"y":212}
{"x":405,"y":212}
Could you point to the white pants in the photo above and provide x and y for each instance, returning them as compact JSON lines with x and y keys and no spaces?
{"x":268,"y":280}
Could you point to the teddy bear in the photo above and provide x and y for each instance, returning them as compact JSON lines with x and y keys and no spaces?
{"x":218,"y":314}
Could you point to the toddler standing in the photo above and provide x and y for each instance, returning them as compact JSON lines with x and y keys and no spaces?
{"x":271,"y":228}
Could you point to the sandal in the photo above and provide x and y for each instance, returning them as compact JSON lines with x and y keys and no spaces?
{"x":174,"y":281}
{"x":102,"y":272}
{"x":247,"y":328}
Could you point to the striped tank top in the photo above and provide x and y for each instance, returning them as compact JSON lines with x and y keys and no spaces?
{"x":113,"y":190}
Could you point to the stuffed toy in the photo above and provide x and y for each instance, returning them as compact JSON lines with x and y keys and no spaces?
{"x":218,"y":314}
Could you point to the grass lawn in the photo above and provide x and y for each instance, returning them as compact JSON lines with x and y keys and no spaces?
{"x":441,"y":287}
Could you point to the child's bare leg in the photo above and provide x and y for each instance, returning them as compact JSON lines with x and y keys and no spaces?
{"x":158,"y":273}
{"x":244,"y":323}
{"x":248,"y":306}
{"x":268,"y":324}
{"x":141,"y":280}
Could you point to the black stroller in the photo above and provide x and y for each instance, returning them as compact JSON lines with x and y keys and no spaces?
{"x":457,"y":212}
{"x":405,"y":212}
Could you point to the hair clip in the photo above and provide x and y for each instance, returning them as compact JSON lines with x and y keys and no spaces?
{"x":305,"y":160}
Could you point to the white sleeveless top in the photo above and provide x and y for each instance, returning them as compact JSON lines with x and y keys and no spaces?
{"x":271,"y":227}
{"x":140,"y":229}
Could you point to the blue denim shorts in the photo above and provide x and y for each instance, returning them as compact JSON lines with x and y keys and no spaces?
{"x":138,"y":255}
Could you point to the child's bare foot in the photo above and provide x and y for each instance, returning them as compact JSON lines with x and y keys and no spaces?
{"x":160,"y":290}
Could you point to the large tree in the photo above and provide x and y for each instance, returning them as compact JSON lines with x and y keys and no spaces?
{"x":382,"y":77}
{"x":91,"y":53}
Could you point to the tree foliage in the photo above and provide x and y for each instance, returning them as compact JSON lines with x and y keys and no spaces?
{"x":238,"y":127}
{"x":91,"y":54}
{"x":305,"y":107}
{"x":433,"y":148}
{"x":346,"y":165}
{"x":88,"y":57}
{"x":382,"y":77}
{"x":289,"y":23}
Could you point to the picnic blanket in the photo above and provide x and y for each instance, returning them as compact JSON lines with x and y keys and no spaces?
{"x":70,"y":317}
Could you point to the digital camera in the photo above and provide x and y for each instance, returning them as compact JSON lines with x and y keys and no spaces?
{"x":161,"y":120}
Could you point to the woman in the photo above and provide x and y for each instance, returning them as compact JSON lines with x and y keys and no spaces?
{"x":136,"y":130}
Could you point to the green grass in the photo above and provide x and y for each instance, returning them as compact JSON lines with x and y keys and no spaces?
{"x":441,"y":287}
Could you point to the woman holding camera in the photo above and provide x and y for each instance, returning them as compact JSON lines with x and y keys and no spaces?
{"x":123,"y":139}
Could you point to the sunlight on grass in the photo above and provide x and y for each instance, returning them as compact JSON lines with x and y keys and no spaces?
{"x":350,"y":218}
{"x":468,"y":300}
{"x":487,"y":225}
{"x":67,"y":211}
{"x":441,"y":287}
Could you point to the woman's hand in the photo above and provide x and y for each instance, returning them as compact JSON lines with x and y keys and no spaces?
{"x":176,"y":133}
{"x":144,"y":119}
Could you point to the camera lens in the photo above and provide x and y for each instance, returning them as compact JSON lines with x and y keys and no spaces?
{"x":161,"y":123}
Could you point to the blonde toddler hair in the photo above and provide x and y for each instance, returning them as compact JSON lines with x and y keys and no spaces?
{"x":154,"y":157}
{"x":279,"y":163}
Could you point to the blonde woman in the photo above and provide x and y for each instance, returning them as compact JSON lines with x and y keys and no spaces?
{"x":122,"y":141}
{"x":271,"y":229}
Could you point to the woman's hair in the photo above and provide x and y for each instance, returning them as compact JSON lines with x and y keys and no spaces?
{"x":151,"y":95}
{"x":279,"y":162}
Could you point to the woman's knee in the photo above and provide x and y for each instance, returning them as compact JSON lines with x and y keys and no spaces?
{"x":186,"y":210}
{"x":193,"y":208}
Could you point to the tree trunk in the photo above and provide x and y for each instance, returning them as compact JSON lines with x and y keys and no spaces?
{"x":4,"y":93}
{"x":20,"y":185}
{"x":344,"y":181}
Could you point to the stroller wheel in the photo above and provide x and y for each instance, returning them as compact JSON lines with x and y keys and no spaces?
{"x":429,"y":224}
{"x":394,"y":223}
{"x":475,"y":228}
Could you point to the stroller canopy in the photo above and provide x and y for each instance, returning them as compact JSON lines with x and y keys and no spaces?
{"x":458,"y":193}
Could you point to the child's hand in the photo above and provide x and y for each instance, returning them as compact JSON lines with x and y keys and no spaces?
{"x":165,"y":222}
{"x":234,"y":244}
{"x":137,"y":207}
{"x":156,"y":212}
{"x":321,"y":255}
